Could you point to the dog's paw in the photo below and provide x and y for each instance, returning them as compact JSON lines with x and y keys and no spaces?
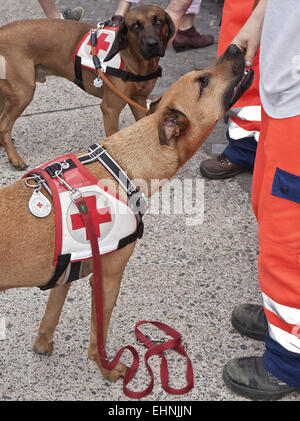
{"x":114,"y":375}
{"x":42,"y":346}
{"x":18,"y":163}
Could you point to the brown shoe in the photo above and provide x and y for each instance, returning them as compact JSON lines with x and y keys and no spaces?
{"x":220,"y":167}
{"x":190,"y":38}
{"x":116,"y":20}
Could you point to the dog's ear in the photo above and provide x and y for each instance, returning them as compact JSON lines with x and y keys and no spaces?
{"x":171,"y":27}
{"x":153,"y":105}
{"x":171,"y":125}
{"x":120,"y":42}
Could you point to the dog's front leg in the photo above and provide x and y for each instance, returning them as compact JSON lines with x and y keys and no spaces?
{"x":137,"y":112}
{"x":111,"y":107}
{"x":113,"y":266}
{"x":43,"y":343}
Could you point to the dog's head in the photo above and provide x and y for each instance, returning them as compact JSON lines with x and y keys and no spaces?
{"x":198,"y":100}
{"x":147,"y":29}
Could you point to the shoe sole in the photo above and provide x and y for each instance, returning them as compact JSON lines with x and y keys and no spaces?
{"x":221,"y":176}
{"x":247,"y":332}
{"x":247,"y":392}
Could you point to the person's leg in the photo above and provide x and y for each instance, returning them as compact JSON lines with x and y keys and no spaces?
{"x":276,"y":203}
{"x":242,"y":151}
{"x":124,"y":6}
{"x":187,"y":37}
{"x":52,"y":12}
{"x":50,"y":9}
{"x":249,"y":319}
{"x":121,"y":11}
{"x":245,"y":116}
{"x":279,"y":238}
{"x":238,"y":156}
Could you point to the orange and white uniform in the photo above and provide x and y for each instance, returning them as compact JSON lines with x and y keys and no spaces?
{"x":276,"y":188}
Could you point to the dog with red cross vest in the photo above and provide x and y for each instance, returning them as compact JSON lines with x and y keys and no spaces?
{"x":155,"y":147}
{"x":128,"y":56}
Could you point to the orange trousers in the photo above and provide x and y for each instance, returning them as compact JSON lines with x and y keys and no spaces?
{"x":276,"y":204}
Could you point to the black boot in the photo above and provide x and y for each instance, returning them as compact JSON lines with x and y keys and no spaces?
{"x":250,"y":321}
{"x":248,"y":377}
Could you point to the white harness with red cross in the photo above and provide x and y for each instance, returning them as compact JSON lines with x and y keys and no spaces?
{"x":115,"y":223}
{"x":105,"y":38}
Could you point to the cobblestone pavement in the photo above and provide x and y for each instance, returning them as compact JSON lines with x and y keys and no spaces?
{"x":189,"y":277}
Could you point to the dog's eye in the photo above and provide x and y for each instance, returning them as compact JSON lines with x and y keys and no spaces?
{"x":136,"y":27}
{"x":203,"y":80}
{"x":157,"y":21}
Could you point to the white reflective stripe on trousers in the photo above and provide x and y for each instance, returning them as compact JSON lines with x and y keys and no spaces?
{"x":290,"y":341}
{"x":249,"y":113}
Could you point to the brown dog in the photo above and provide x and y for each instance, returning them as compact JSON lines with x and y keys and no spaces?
{"x":177,"y":124}
{"x":46,"y":47}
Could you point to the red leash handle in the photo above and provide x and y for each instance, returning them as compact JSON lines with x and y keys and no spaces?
{"x":159,"y":349}
{"x":174,"y":343}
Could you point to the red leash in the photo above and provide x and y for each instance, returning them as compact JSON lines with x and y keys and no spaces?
{"x":153,"y":349}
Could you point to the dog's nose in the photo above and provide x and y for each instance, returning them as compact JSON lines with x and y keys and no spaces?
{"x":152,"y":42}
{"x":234,"y":56}
{"x":232,"y":51}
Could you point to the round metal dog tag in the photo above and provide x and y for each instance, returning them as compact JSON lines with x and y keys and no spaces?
{"x":39,"y":205}
{"x":98,"y":82}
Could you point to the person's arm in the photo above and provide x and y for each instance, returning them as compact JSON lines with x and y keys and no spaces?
{"x":176,"y":9}
{"x":248,"y":39}
{"x":50,"y":9}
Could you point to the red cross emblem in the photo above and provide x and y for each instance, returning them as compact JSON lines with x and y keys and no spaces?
{"x":99,"y":216}
{"x":40,"y":205}
{"x":101,"y":43}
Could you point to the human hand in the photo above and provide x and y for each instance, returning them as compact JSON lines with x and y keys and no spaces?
{"x":248,"y":39}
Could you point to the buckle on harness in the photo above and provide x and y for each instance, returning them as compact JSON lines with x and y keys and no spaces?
{"x":138,"y":202}
{"x":101,"y":25}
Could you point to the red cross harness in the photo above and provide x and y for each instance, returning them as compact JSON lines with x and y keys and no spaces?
{"x":99,"y":216}
{"x":101,"y":43}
